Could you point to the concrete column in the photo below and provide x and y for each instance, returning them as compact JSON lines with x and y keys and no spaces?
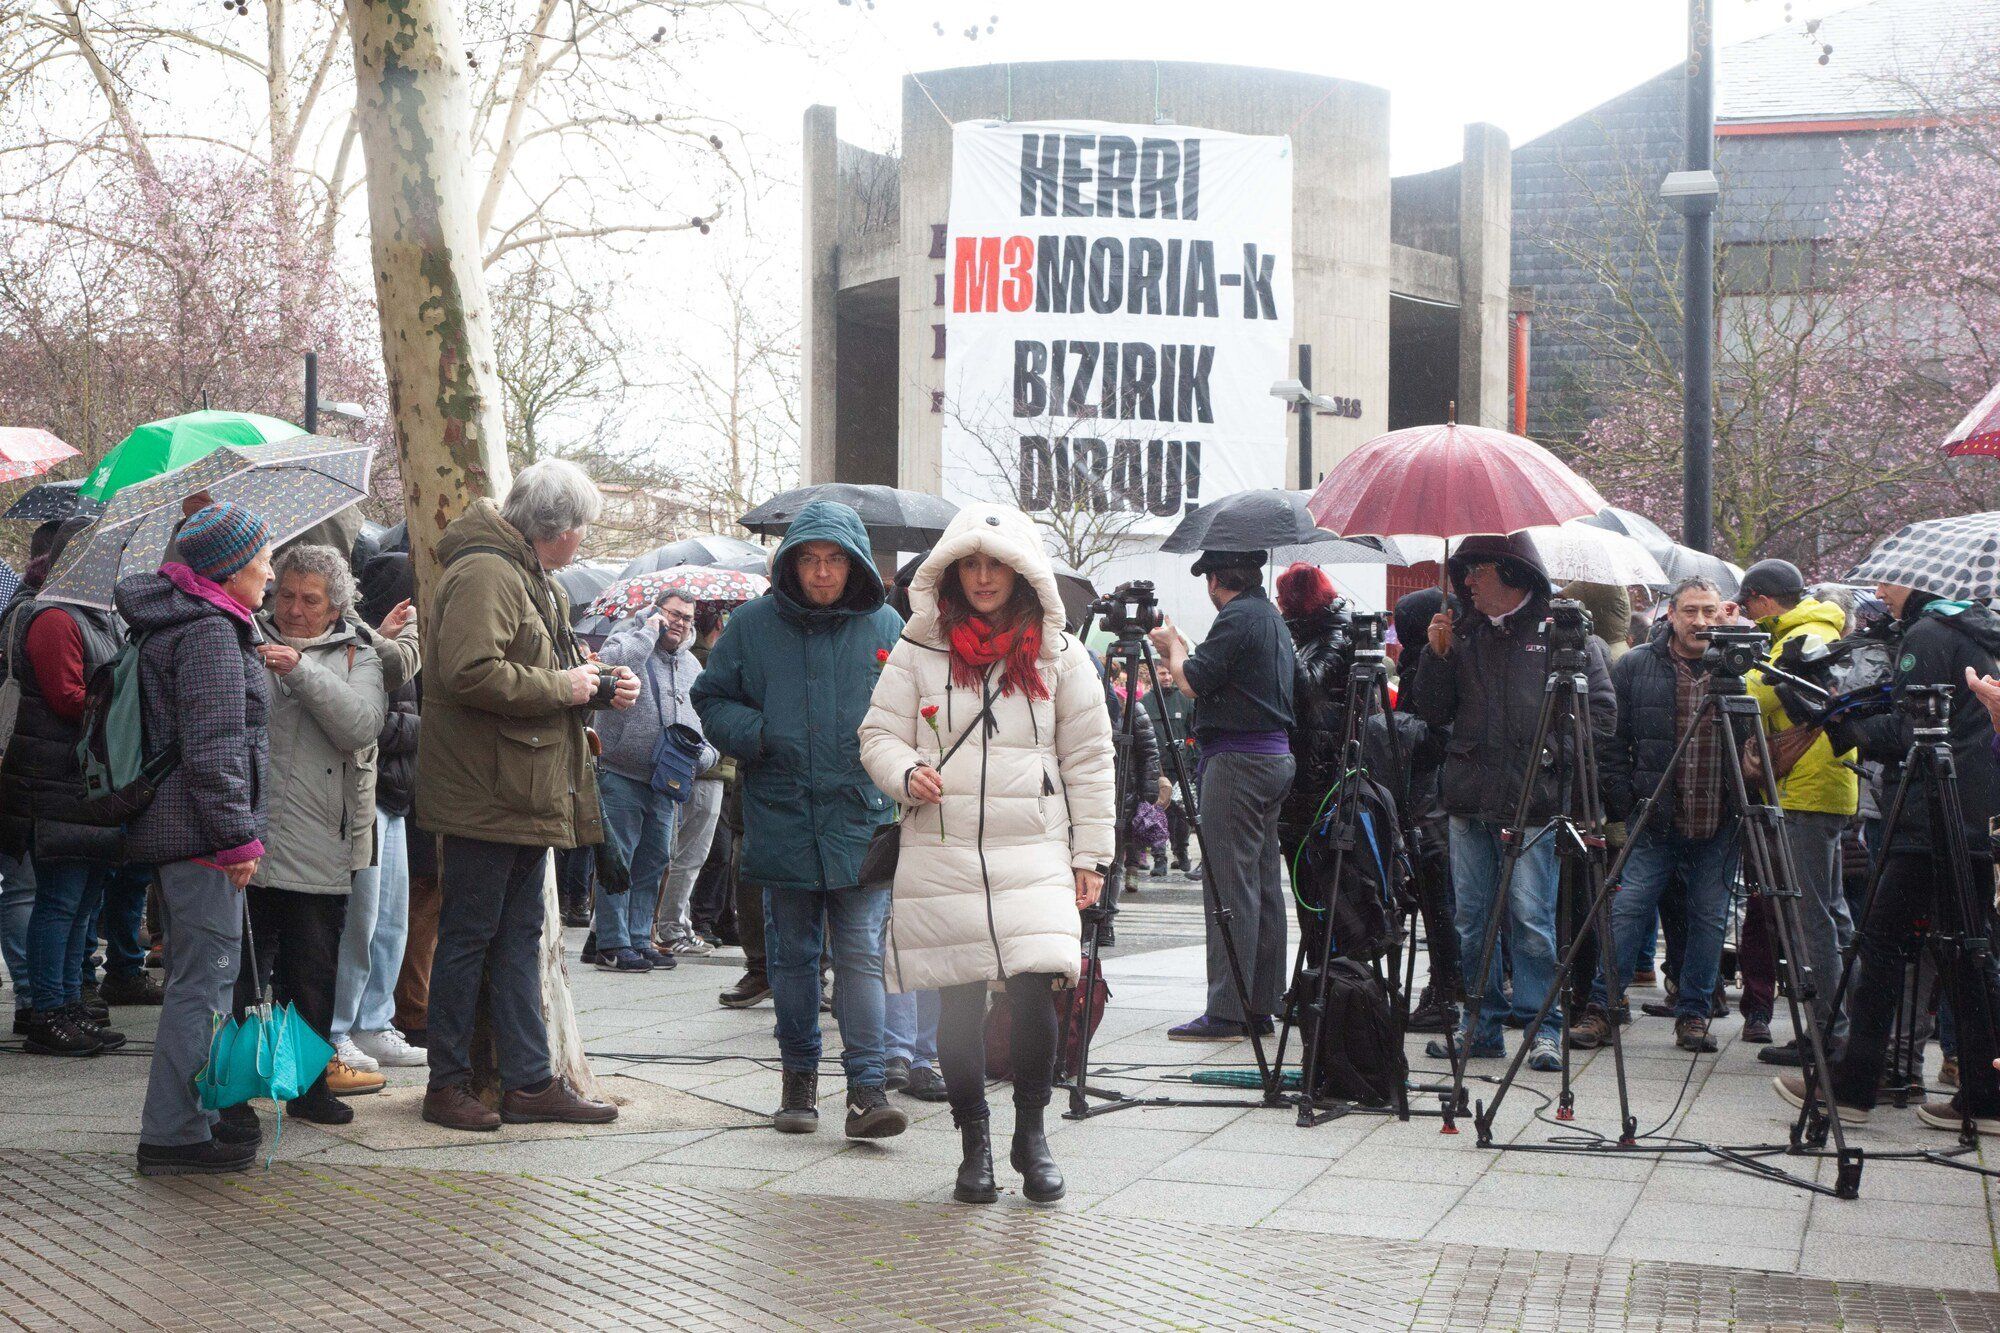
{"x":820,"y":324}
{"x":1485,"y":242}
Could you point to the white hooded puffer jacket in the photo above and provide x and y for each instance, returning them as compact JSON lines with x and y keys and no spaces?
{"x":1028,"y":799}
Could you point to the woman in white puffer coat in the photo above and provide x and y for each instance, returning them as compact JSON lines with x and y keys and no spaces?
{"x":989,"y":724}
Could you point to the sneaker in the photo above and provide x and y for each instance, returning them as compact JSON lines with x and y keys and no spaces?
{"x":895,"y":1074}
{"x":1691,"y":1034}
{"x":107,"y":1040}
{"x":136,"y":989}
{"x":1437,"y":1050}
{"x":343,"y":1080}
{"x":1948,"y":1072}
{"x":54,"y":1032}
{"x":1793,"y":1089}
{"x":926,"y":1085}
{"x":1592,"y":1030}
{"x":1947,"y":1116}
{"x":1757,"y":1031}
{"x":622,"y":960}
{"x":353,"y":1056}
{"x":1159,"y":871}
{"x":207,"y":1158}
{"x":659,"y":961}
{"x":869,"y":1115}
{"x":1208,"y":1029}
{"x":694,"y":946}
{"x":387,"y":1047}
{"x":1545,"y":1056}
{"x":753,"y":988}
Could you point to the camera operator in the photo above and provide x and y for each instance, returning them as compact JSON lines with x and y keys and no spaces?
{"x":1485,"y":681}
{"x":1660,"y":687}
{"x":1940,"y":642}
{"x":1819,"y":793}
{"x":1241,"y":681}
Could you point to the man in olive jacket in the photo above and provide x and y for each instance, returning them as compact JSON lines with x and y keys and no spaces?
{"x":784,"y":692}
{"x":503,"y":773}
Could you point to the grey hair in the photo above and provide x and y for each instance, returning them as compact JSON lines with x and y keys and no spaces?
{"x":550,"y":498}
{"x":1836,"y":594}
{"x":1692,"y":583}
{"x":322,"y":562}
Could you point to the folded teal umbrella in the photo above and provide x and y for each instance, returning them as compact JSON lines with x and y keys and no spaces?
{"x":271,"y":1052}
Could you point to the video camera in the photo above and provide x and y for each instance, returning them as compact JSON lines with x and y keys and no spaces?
{"x":1566,"y":633}
{"x":1130,"y":610}
{"x":1735,"y":650}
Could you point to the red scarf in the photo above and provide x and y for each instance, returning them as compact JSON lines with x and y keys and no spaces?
{"x":975,"y":644}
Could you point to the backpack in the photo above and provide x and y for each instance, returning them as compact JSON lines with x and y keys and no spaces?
{"x":118,"y":780}
{"x":1360,"y":1058}
{"x":1367,"y":904}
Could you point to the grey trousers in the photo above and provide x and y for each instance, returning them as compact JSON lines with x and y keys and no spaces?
{"x":490,"y":924}
{"x":203,"y":917}
{"x":691,"y":842}
{"x":1244,"y":869}
{"x":1815,"y":842}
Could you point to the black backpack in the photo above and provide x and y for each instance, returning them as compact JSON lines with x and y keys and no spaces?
{"x":1360,"y":1059}
{"x":1367,"y":903}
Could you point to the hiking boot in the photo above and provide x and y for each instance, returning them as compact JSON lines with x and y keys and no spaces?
{"x":1793,"y":1089}
{"x":752,"y":989}
{"x":798,"y":1111}
{"x":138,"y":989}
{"x":1757,"y":1031}
{"x":93,"y":1003}
{"x":344,"y":1080}
{"x":1946,"y":1115}
{"x":55,"y":1032}
{"x":975,"y":1169}
{"x":1592,"y":1030}
{"x":895,"y":1074}
{"x":1206,"y":1028}
{"x":926,"y":1085}
{"x":239,"y":1125}
{"x":317,"y":1105}
{"x":107,"y":1040}
{"x":1691,"y":1034}
{"x":869,"y":1115}
{"x":1041,"y":1181}
{"x":454,"y":1107}
{"x":1431,"y":1014}
{"x":558,"y":1103}
{"x":207,"y":1158}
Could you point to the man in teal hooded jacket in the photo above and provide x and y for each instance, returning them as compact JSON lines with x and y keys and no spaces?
{"x":784,"y":691}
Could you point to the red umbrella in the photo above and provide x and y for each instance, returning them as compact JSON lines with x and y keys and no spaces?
{"x":25,"y":452}
{"x":1449,"y":481}
{"x":1979,"y":432}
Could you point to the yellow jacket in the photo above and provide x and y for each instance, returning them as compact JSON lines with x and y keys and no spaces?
{"x":1821,"y":780}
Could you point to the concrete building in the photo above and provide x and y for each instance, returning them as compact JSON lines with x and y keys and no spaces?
{"x":1400,"y":286}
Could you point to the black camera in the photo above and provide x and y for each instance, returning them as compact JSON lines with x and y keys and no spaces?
{"x":1566,"y":631}
{"x":1130,"y":610}
{"x":1368,"y":635}
{"x":1735,"y":650}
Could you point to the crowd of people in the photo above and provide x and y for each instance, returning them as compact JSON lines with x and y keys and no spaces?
{"x":900,"y":797}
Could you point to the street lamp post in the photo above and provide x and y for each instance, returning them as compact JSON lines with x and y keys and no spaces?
{"x":1698,"y":200}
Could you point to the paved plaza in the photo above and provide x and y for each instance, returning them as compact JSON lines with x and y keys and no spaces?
{"x":688,"y":1214}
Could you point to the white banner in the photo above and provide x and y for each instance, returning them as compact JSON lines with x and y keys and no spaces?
{"x":1118,"y":305}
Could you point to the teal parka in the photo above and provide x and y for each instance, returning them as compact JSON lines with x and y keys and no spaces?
{"x":784,"y":692}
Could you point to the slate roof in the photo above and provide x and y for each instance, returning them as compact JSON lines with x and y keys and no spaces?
{"x":1778,"y":76}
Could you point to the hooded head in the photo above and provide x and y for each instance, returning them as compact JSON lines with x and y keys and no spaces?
{"x":1514,"y":559}
{"x":820,"y":524}
{"x":1413,"y":615}
{"x":1007,"y":535}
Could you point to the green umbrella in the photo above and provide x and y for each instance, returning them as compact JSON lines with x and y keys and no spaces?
{"x":162,"y":446}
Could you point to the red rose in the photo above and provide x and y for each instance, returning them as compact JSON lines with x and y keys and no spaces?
{"x":881,"y":654}
{"x":930,"y":712}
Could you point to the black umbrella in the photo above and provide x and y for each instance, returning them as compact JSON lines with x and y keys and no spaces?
{"x":583,"y":581}
{"x":718,"y":552}
{"x":1676,"y":561}
{"x":51,"y":499}
{"x":1265,"y":520}
{"x":896,"y":519}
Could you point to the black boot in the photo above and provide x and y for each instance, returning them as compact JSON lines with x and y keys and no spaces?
{"x":975,"y":1173}
{"x":1041,"y":1182}
{"x":54,"y":1032}
{"x":799,"y":1113}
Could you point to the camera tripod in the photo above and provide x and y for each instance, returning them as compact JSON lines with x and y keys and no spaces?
{"x":1130,"y":648}
{"x":1729,"y":713}
{"x":1955,"y":933}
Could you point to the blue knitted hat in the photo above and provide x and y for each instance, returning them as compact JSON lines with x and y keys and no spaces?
{"x":222,"y":538}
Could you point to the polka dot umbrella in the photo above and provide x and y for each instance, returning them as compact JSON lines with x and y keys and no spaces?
{"x":291,"y":485}
{"x":1956,"y":558}
{"x":699,"y":583}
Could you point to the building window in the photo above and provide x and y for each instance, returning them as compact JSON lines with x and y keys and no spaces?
{"x":1757,"y":267}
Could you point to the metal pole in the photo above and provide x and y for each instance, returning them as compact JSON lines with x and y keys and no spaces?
{"x":1306,"y":419}
{"x":1698,"y":277}
{"x":311,"y":422}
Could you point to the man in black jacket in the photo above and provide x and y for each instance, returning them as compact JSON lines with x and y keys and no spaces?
{"x":1483,"y":677}
{"x":1690,"y":835}
{"x":1941,"y":641}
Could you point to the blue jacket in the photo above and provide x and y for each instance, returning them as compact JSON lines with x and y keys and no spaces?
{"x":784,"y":692}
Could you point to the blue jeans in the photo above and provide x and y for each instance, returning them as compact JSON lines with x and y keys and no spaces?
{"x":67,"y":894}
{"x":1530,"y":932}
{"x":798,"y":925}
{"x":1706,"y":867}
{"x":120,"y":915}
{"x":17,"y":905}
{"x":910,"y":1026}
{"x":371,"y":943}
{"x":640,"y":822}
